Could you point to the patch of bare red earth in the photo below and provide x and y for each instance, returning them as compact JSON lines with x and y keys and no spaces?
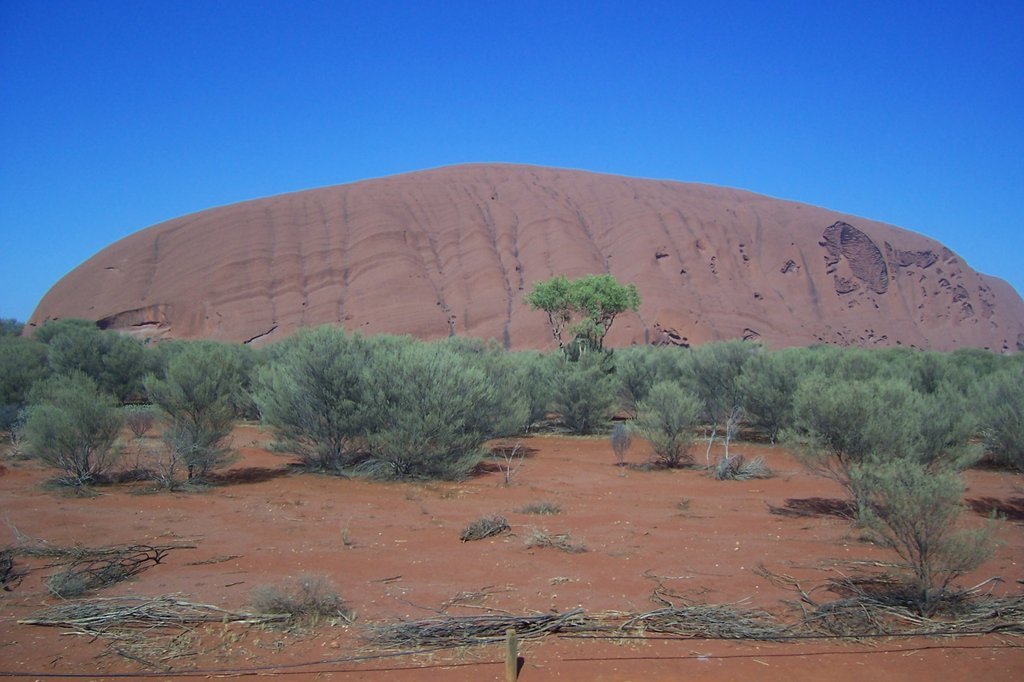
{"x":393,"y":551}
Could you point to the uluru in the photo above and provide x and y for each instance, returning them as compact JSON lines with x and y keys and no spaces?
{"x":453,"y":251}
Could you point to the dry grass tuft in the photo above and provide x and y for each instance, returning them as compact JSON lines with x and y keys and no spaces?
{"x":487,"y":527}
{"x":544,"y":508}
{"x":563,"y":542}
{"x":738,"y":468}
{"x":305,"y":601}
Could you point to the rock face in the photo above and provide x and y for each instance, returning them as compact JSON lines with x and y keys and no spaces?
{"x":454,"y":250}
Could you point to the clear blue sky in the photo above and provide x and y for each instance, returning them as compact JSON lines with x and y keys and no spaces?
{"x":119,"y":115}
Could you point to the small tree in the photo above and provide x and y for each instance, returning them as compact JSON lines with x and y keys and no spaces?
{"x":196,"y":399}
{"x":666,"y":419}
{"x":72,"y":426}
{"x":915,"y":511}
{"x":593,"y":302}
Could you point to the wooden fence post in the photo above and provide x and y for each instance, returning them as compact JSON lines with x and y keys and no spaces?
{"x":511,"y":656}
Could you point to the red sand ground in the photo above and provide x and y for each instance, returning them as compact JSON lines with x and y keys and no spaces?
{"x":393,"y":551}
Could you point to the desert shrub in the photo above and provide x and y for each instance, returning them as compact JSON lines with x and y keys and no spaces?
{"x":666,"y":419}
{"x":585,"y":393}
{"x":999,"y":404}
{"x":139,"y":419}
{"x":485,"y":527}
{"x":535,"y":372}
{"x":434,"y":413}
{"x":117,"y":363}
{"x":739,"y":468}
{"x":316,"y":394}
{"x":915,"y":512}
{"x":307,"y":600}
{"x":10,"y":327}
{"x":196,"y":400}
{"x":766,"y":386}
{"x":562,"y":541}
{"x":849,"y":422}
{"x":620,"y":439}
{"x":72,"y":426}
{"x":638,"y":368}
{"x":22,"y":365}
{"x":543,"y":508}
{"x":716,"y":369}
{"x":510,"y":411}
{"x":944,"y":428}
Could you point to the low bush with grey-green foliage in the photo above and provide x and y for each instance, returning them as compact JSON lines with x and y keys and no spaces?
{"x":999,"y":406}
{"x":666,"y":419}
{"x":306,"y":601}
{"x":317,"y":393}
{"x":22,"y":365}
{"x":847,"y":424}
{"x":586,"y":392}
{"x":117,"y":363}
{"x":390,"y":407}
{"x":638,"y":368}
{"x":434,"y":412}
{"x":915,"y":512}
{"x":621,"y":438}
{"x":766,"y":385}
{"x":196,"y":400}
{"x":72,"y":426}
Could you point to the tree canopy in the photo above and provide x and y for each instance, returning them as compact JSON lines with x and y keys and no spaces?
{"x":586,"y":307}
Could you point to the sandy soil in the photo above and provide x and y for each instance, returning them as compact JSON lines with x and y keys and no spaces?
{"x":393,"y":551}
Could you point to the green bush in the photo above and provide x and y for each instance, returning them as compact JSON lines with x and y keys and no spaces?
{"x":766,"y":387}
{"x":915,"y":512}
{"x":536,"y":372}
{"x":999,"y":403}
{"x":848,"y":422}
{"x":317,"y":394}
{"x":72,"y":426}
{"x":117,"y":363}
{"x":640,"y":367}
{"x":514,"y":409}
{"x":667,"y":419}
{"x":22,"y":365}
{"x":195,"y":397}
{"x":434,"y":413}
{"x":585,"y":393}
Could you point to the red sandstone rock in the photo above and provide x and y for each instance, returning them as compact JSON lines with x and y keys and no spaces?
{"x":453,"y":251}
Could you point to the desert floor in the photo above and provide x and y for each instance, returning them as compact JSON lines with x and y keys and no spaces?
{"x":393,"y":552}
